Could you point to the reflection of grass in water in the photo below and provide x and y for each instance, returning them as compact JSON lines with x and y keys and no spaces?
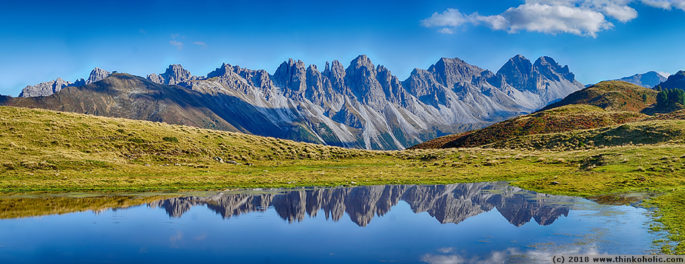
{"x":16,"y":207}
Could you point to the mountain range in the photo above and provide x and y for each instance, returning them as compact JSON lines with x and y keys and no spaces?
{"x":361,"y":106}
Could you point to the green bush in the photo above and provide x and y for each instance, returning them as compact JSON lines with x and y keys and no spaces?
{"x":170,"y":139}
{"x":137,"y":140}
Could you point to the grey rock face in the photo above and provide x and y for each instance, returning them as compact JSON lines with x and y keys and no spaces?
{"x":361,"y":79}
{"x":291,"y":75}
{"x":52,"y":87}
{"x":44,"y":89}
{"x":97,"y":74}
{"x":336,"y":74}
{"x":174,"y":75}
{"x":448,"y":71}
{"x":517,"y":72}
{"x":648,"y":79}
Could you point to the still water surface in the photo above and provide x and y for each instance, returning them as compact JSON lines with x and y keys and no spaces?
{"x":457,"y":223}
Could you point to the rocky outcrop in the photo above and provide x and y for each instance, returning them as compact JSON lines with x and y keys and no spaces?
{"x":517,"y":72}
{"x":44,"y":89}
{"x":291,"y":76}
{"x":96,"y":75}
{"x":452,"y":203}
{"x":52,"y":87}
{"x":173,"y":75}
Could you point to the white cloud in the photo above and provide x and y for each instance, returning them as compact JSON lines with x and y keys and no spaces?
{"x":446,"y":250}
{"x":200,"y":43}
{"x":579,"y":17}
{"x":666,"y":4}
{"x":617,"y":9}
{"x":442,"y":259}
{"x":553,"y":19}
{"x":176,"y":43}
{"x":622,"y":13}
{"x":506,"y":255}
{"x":448,"y":18}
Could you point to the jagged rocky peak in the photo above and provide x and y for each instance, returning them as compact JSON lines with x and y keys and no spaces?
{"x":334,"y":69}
{"x":516,"y":71}
{"x":552,"y":70}
{"x":174,"y":74}
{"x":223,"y":70}
{"x":360,"y":68}
{"x":45,"y":88}
{"x":312,"y":69}
{"x":313,"y":77}
{"x":316,"y":84}
{"x":97,"y":74}
{"x":360,"y":76}
{"x":315,"y":80}
{"x":392,"y":87}
{"x":361,"y":62}
{"x":450,"y":71}
{"x":336,"y":74}
{"x":422,"y":84}
{"x":52,"y":87}
{"x":291,"y":75}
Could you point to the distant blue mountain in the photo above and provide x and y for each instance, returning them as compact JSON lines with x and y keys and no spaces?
{"x":648,"y":79}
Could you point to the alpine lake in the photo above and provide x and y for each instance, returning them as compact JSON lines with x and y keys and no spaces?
{"x":490,"y":222}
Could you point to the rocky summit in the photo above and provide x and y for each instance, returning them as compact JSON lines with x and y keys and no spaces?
{"x":52,"y":87}
{"x":173,"y":75}
{"x":44,"y":88}
{"x":360,"y":106}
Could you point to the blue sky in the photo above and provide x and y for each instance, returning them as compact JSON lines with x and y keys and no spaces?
{"x":598,"y":39}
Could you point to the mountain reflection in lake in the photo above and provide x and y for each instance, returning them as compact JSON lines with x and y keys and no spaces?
{"x":456,"y":223}
{"x":447,"y":203}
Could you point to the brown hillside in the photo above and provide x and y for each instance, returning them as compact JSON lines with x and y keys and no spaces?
{"x":561,"y":119}
{"x":612,"y":96}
